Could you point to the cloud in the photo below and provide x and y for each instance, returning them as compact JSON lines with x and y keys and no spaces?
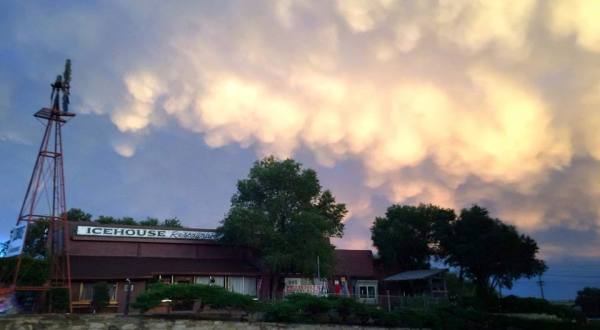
{"x":578,"y":19}
{"x":449,"y":102}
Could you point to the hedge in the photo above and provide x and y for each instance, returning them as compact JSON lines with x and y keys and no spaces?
{"x":214,"y":296}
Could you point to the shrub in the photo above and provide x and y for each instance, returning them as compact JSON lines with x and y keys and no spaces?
{"x":312,"y":309}
{"x":100,"y":296}
{"x":58,"y":299}
{"x":283,"y":311}
{"x":33,"y":272}
{"x":589,"y":301}
{"x":514,"y":304}
{"x":214,"y":296}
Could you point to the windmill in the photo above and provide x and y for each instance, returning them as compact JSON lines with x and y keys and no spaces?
{"x":44,"y":206}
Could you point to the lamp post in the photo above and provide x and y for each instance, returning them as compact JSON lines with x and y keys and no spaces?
{"x":127,"y":296}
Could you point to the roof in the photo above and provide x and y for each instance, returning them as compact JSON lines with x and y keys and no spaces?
{"x":91,"y":267}
{"x":354,"y":263}
{"x":411,"y":275}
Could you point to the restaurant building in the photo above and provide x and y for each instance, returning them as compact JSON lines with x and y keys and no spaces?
{"x":142,"y":255}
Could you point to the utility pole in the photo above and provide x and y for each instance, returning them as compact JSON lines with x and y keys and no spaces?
{"x":318,"y":268}
{"x":541,"y":284}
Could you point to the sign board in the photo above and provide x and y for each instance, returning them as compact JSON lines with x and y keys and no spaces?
{"x":17,"y":240}
{"x":313,"y":287}
{"x":145,"y":233}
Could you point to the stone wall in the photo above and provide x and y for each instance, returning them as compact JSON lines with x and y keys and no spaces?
{"x":117,"y":322}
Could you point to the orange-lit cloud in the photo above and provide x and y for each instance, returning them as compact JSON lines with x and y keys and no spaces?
{"x":456,"y":85}
{"x":444,"y":101}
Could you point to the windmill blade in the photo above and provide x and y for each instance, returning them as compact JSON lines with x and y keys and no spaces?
{"x":66,"y":87}
{"x":67,"y":74}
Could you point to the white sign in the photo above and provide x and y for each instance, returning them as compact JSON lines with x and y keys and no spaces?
{"x":145,"y":233}
{"x":17,"y":240}
{"x":313,"y":287}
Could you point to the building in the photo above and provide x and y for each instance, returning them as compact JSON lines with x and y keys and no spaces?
{"x":117,"y":253}
{"x":354,"y":275}
{"x":429,"y":282}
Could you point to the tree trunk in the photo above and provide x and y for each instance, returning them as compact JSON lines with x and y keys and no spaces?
{"x":274,"y":283}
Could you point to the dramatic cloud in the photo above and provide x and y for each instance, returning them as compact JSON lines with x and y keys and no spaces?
{"x":447,"y":102}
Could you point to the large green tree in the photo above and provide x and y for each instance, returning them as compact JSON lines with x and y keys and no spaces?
{"x":405,"y":236}
{"x":75,"y":214}
{"x":281,"y":210}
{"x":489,"y":252}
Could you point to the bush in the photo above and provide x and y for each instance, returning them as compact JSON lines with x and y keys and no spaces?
{"x":214,"y":296}
{"x":33,"y":272}
{"x":514,"y":304}
{"x":100,"y":296}
{"x":312,"y":309}
{"x":588,"y":300}
{"x":58,"y":300}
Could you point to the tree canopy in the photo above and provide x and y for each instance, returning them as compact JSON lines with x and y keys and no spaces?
{"x":484,"y":249}
{"x":76,"y":214}
{"x":281,"y":210}
{"x":488,"y":251}
{"x":404,"y":236}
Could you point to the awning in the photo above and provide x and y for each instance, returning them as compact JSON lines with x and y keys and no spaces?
{"x":413,"y":275}
{"x":89,"y":267}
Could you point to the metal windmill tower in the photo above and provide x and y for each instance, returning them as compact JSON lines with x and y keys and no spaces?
{"x":44,"y":203}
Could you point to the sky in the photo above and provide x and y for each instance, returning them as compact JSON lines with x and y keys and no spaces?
{"x":454,"y":103}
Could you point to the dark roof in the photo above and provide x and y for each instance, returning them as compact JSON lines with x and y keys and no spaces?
{"x":354,"y":263}
{"x":411,"y":275}
{"x":89,"y":267}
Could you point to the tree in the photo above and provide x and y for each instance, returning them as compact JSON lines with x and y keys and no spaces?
{"x":588,"y":300}
{"x":151,"y":222}
{"x":172,"y":222}
{"x":405,"y":237}
{"x":281,"y":211}
{"x":106,"y":220}
{"x":487,"y":251}
{"x":127,"y":221}
{"x":78,"y":215}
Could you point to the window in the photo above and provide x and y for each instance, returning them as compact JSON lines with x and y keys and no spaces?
{"x":366,"y":290}
{"x":165,"y":279}
{"x":371,"y":291}
{"x":86,"y":291}
{"x":243,"y":285}
{"x":208,"y":280}
{"x":238,"y":284}
{"x":112,"y":292}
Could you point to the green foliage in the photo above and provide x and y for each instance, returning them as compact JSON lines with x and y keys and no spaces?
{"x":307,"y":308}
{"x":127,"y":221}
{"x":35,"y":240}
{"x":150,"y":222}
{"x":484,"y":249}
{"x":489,"y":252}
{"x":514,"y":304}
{"x":405,"y":237}
{"x":589,"y":301}
{"x":214,"y":296}
{"x":58,"y":299}
{"x":281,"y":210}
{"x":33,"y":272}
{"x":78,"y":215}
{"x":101,"y":296}
{"x":172,"y":223}
{"x":106,"y":220}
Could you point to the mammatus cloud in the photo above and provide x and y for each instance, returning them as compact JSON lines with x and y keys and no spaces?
{"x":448,"y":102}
